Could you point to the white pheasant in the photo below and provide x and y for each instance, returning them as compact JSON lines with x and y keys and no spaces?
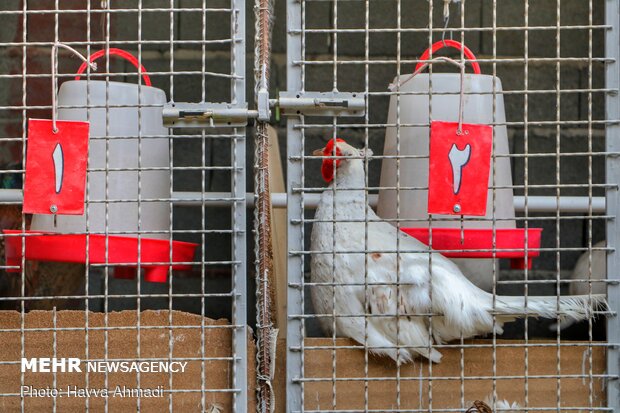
{"x":354,"y":265}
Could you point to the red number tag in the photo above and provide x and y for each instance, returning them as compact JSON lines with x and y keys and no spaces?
{"x":459,"y":168}
{"x":56,"y":167}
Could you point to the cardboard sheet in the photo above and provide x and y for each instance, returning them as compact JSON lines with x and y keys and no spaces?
{"x":122,"y":344}
{"x":447,"y":381}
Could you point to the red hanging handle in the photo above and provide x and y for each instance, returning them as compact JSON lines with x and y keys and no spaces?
{"x":450,"y":43}
{"x":117,"y":52}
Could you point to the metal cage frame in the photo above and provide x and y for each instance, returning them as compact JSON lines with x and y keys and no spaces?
{"x":302,"y":196}
{"x":233,"y":48}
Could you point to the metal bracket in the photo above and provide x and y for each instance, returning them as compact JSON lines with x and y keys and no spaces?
{"x":321,"y":103}
{"x":262,"y":100}
{"x":222,"y":115}
{"x":206,"y":115}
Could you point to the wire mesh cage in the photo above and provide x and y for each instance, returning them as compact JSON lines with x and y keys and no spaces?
{"x":526,"y":92}
{"x":154,"y":187}
{"x":547,"y":91}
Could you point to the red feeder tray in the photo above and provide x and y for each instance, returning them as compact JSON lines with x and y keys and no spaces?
{"x":154,"y":253}
{"x":478,"y":243}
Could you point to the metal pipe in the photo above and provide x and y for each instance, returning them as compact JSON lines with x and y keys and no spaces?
{"x":534,"y":203}
{"x":577,"y":204}
{"x":566,"y":204}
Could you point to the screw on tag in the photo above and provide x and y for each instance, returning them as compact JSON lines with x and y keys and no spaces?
{"x":457,"y":208}
{"x":53,"y":210}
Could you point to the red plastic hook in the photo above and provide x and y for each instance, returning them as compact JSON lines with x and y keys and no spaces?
{"x":117,"y":52}
{"x":450,"y":43}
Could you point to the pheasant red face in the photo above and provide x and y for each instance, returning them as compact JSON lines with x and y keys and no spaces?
{"x":329,"y":164}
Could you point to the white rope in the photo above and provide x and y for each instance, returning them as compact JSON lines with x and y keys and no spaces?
{"x":55,"y":47}
{"x":461,"y":65}
{"x":446,"y":8}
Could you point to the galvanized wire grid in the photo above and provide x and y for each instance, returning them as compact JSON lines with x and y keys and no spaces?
{"x":535,"y":49}
{"x":192,"y":59}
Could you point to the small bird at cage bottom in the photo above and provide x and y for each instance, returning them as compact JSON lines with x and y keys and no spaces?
{"x":485,"y":406}
{"x":387,"y":300}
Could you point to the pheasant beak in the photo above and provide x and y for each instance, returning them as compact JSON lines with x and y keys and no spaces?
{"x":318,"y":152}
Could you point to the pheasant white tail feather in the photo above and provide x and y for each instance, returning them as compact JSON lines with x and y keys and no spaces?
{"x":577,"y":307}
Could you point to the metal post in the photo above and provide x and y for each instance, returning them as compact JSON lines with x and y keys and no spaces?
{"x":295,"y":270}
{"x":239,"y":287}
{"x":612,"y":142}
